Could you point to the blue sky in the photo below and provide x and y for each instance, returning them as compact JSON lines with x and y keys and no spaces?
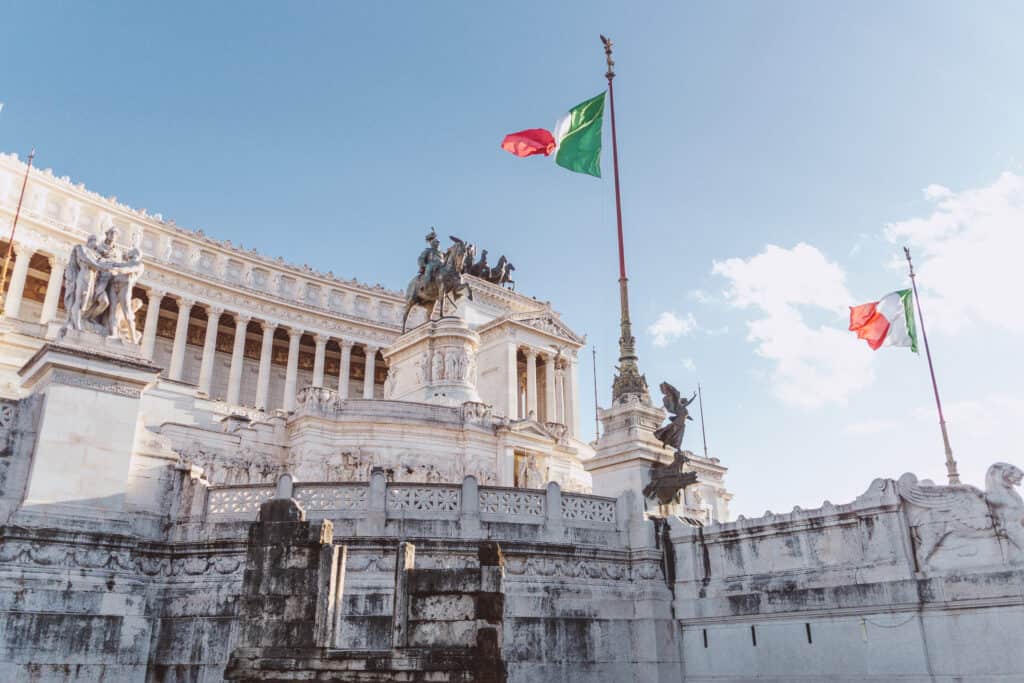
{"x":335,"y":134}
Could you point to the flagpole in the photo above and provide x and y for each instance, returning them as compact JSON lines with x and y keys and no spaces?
{"x":14,"y":226}
{"x":951,"y":471}
{"x":628,"y":380}
{"x":597,"y":424}
{"x":703,"y":434}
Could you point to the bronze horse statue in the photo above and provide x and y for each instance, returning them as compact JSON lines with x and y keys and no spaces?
{"x":447,"y":283}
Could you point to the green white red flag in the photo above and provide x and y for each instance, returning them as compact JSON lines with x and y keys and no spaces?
{"x":575,"y":141}
{"x":886,"y":322}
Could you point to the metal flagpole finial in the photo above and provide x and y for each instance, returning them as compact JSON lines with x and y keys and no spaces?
{"x":608,"y":56}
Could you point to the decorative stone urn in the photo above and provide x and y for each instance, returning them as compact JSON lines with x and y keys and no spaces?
{"x":434,"y":363}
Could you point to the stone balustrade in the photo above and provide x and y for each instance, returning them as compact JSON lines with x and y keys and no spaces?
{"x":466,"y":510}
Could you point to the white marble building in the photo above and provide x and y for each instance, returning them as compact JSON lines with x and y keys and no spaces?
{"x":235,"y":333}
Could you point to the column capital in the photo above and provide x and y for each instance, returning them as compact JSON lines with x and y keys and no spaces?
{"x":320,"y":339}
{"x":58,"y":261}
{"x":295,"y":332}
{"x":370,"y":349}
{"x":213,"y":311}
{"x":185,"y":303}
{"x":346,"y":344}
{"x":241,"y":318}
{"x":269,"y":326}
{"x":530,"y":352}
{"x":154,"y":293}
{"x":22,"y":249}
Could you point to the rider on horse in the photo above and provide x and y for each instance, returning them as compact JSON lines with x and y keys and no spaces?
{"x":430,"y":258}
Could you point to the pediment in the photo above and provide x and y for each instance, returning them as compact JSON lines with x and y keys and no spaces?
{"x":548,"y":323}
{"x":531,"y":428}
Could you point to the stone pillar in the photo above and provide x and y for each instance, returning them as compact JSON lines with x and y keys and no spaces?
{"x":180,"y":338}
{"x":57,"y":265}
{"x":266,"y":356}
{"x":550,"y":414}
{"x":291,"y":589}
{"x":237,"y":360}
{"x":292,"y":374}
{"x":371,"y":359}
{"x":572,"y":421}
{"x":531,"y":383}
{"x":152,"y":321}
{"x":12,"y":304}
{"x":318,"y":361}
{"x":209,"y":348}
{"x":512,"y":383}
{"x":560,"y":395}
{"x":345,"y":368}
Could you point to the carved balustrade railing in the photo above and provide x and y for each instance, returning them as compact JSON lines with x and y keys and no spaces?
{"x":588,"y":509}
{"x":525,"y":505}
{"x":407,"y":500}
{"x":359,"y":500}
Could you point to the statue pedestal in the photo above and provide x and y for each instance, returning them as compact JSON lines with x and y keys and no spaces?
{"x":89,"y":420}
{"x":434,"y":363}
{"x":627,"y":449}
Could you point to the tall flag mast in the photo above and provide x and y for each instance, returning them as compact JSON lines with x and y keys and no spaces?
{"x":628,"y":380}
{"x":703,"y":434}
{"x":951,"y":471}
{"x":14,"y":226}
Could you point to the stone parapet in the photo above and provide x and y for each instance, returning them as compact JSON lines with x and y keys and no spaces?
{"x":414,"y":510}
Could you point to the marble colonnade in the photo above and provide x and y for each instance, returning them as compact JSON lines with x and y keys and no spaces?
{"x":261,"y":398}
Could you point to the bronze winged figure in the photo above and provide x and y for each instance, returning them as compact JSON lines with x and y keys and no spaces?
{"x":671,"y":434}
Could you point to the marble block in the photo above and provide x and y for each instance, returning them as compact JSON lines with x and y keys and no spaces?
{"x":88,"y":424}
{"x":434,"y":363}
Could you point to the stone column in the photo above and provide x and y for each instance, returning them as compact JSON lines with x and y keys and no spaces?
{"x":180,"y":338}
{"x":152,"y":321}
{"x":292,"y":374}
{"x":12,"y":304}
{"x":237,"y":360}
{"x":318,"y":361}
{"x":571,"y":412}
{"x":209,"y":348}
{"x":266,"y":356}
{"x":345,"y":367}
{"x":560,"y":395}
{"x":371,"y":359}
{"x":531,"y":383}
{"x":512,"y":383}
{"x":57,"y":264}
{"x":550,"y":414}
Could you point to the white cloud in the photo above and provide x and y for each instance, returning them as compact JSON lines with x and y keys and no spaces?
{"x":669,"y":327}
{"x":812,"y":364}
{"x":689,"y":364}
{"x":967,"y":253}
{"x":701,"y":297}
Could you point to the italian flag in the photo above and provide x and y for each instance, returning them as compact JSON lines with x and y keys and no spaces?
{"x":575,"y":142}
{"x":887,"y":322}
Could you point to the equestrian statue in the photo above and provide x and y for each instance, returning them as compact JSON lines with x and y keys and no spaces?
{"x":439,"y":277}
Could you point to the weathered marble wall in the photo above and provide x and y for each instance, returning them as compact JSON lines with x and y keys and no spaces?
{"x":910,"y":582}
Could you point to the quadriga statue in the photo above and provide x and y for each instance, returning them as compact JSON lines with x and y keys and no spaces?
{"x":960,"y":522}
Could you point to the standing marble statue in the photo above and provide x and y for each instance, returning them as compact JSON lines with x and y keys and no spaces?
{"x":98,"y":287}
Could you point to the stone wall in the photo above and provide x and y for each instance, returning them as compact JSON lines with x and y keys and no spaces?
{"x":910,"y":582}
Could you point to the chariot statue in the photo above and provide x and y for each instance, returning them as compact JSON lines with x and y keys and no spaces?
{"x":439,"y":277}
